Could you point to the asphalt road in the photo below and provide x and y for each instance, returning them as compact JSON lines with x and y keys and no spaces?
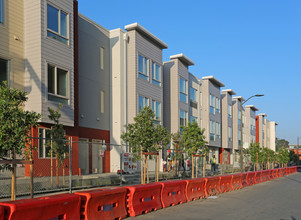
{"x":276,"y":199}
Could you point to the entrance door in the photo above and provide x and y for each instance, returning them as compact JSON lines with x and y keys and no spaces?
{"x":83,"y":156}
{"x":97,"y":149}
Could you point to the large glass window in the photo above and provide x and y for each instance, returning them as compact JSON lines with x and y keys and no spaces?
{"x":239,"y":118}
{"x":1,"y":11}
{"x":230,"y":111}
{"x":192,"y":94}
{"x":183,"y":118}
{"x":212,"y":130}
{"x":156,"y":106}
{"x":239,"y":137}
{"x":57,"y":84}
{"x":44,"y":149}
{"x":3,"y":70}
{"x":57,"y":24}
{"x":142,"y":102}
{"x":183,"y":90}
{"x":156,"y":74}
{"x":217,"y":130}
{"x":142,"y":67}
{"x":217,"y":104}
{"x":211,"y":104}
{"x":230,"y":133}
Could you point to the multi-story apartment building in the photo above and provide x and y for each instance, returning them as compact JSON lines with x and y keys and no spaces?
{"x":195,"y":99}
{"x":260,"y":129}
{"x":137,"y":68}
{"x":249,"y":125}
{"x":272,"y":125}
{"x":237,"y":127}
{"x":227,"y":126}
{"x":211,"y":114}
{"x":175,"y":90}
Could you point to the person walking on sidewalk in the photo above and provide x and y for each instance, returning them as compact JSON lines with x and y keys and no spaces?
{"x":213,"y":163}
{"x":169,"y":159}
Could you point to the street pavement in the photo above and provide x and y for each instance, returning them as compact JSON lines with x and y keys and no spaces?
{"x":278,"y":199}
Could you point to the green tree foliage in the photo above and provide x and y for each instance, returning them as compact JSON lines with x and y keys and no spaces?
{"x":59,"y":146}
{"x":255,"y":150}
{"x":283,"y":155}
{"x":15,"y":123}
{"x":178,"y":142}
{"x":144,"y":134}
{"x":268,"y":155}
{"x":193,"y":139}
{"x":281,"y":143}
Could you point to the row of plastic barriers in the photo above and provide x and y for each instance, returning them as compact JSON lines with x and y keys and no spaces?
{"x":121,"y":202}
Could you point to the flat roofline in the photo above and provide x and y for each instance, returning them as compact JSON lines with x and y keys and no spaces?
{"x":239,"y":97}
{"x":214,"y":81}
{"x":263,"y":114}
{"x":230,"y":91}
{"x":183,"y":58}
{"x":139,"y":28}
{"x":252,"y":107}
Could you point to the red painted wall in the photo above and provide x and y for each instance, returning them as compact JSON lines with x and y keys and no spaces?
{"x":257,"y":129}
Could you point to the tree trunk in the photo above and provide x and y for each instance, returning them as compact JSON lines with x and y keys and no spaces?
{"x":196,"y":167}
{"x":176,"y":162}
{"x":147,"y":177}
{"x":157,"y":168}
{"x":141,"y":155}
{"x":57,"y":170}
{"x":144,"y":171}
{"x":204,"y":165}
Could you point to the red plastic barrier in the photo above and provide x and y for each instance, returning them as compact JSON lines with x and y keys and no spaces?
{"x":144,"y":198}
{"x":244,"y":180}
{"x":62,"y":206}
{"x":105,"y":203}
{"x":236,"y":181}
{"x":281,"y":172}
{"x":173,"y":192}
{"x":275,"y":173}
{"x":258,"y":175}
{"x":271,"y":174}
{"x":265,"y":176}
{"x":251,"y":178}
{"x":2,"y":213}
{"x":226,"y":183}
{"x":298,"y":168}
{"x":213,"y":185}
{"x":196,"y":189}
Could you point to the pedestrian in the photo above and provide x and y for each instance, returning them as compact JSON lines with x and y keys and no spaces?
{"x":169,"y":159}
{"x":213,"y":163}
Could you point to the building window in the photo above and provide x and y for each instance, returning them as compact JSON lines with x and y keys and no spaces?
{"x":252,"y":124}
{"x":57,"y":84}
{"x":212,"y":130}
{"x":183,"y":90}
{"x":156,"y":74}
{"x":217,"y":105}
{"x":212,"y":103}
{"x":229,"y":111}
{"x":57,"y":24}
{"x":192,"y":94}
{"x":239,"y":137}
{"x":156,"y":106}
{"x":193,"y":119}
{"x":142,"y":102}
{"x":102,"y":102}
{"x":217,"y":130}
{"x":102,"y":58}
{"x":239,"y":118}
{"x":44,"y":149}
{"x":142,"y":67}
{"x":183,"y":118}
{"x":3,"y":70}
{"x":1,"y":11}
{"x":230,"y":137}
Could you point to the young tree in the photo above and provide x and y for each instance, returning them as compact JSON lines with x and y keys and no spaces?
{"x":283,"y":156}
{"x":143,"y":136}
{"x":281,"y":143}
{"x":293,"y":157}
{"x":59,"y":146}
{"x":193,"y":140}
{"x":255,"y":153}
{"x":15,"y":126}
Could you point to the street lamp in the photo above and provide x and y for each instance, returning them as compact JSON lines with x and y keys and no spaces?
{"x":241,"y":133}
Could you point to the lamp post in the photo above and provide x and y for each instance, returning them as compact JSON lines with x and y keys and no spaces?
{"x":241,"y":133}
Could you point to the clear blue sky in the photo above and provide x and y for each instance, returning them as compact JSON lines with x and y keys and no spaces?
{"x":252,"y":46}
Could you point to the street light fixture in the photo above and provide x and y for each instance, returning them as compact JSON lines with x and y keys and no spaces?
{"x":241,"y":133}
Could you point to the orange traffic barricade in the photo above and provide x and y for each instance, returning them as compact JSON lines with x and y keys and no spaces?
{"x":195,"y":189}
{"x":258,"y":175}
{"x":244,"y":180}
{"x":143,"y":198}
{"x":213,"y":185}
{"x":104,"y":203}
{"x":62,"y":206}
{"x":236,"y":181}
{"x":251,"y":178}
{"x":265,"y":176}
{"x":173,"y":192}
{"x":226,"y":183}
